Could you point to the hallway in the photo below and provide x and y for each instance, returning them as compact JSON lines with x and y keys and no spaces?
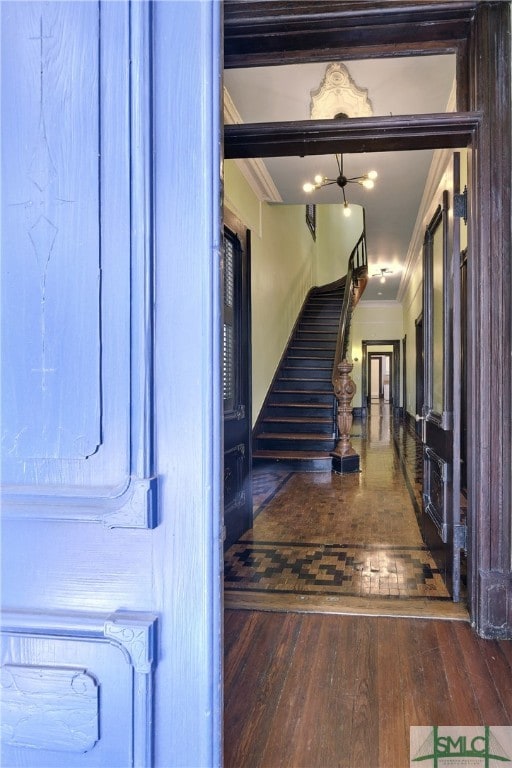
{"x":345,"y":544}
{"x":309,"y":690}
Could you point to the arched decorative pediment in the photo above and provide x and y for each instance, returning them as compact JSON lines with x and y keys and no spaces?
{"x":338,"y":93}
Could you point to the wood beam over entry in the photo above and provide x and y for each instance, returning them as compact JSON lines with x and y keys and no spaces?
{"x":370,"y":134}
{"x":271,"y":33}
{"x":292,"y":31}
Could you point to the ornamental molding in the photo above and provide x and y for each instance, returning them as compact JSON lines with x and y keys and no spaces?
{"x":338,"y":93}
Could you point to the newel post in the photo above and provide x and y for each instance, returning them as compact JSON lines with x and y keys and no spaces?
{"x":344,"y":457}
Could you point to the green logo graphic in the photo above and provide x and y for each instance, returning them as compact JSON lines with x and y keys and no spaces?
{"x":483,"y":746}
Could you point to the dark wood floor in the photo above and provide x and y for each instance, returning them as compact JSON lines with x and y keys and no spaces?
{"x":317,"y":691}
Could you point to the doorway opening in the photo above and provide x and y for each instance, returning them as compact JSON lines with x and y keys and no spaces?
{"x":466,"y":30}
{"x":379,"y":377}
{"x":385,"y":356}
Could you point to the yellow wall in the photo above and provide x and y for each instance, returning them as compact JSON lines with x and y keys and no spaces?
{"x":412,"y":304}
{"x":413,"y":300}
{"x":285,"y":263}
{"x":336,"y":237}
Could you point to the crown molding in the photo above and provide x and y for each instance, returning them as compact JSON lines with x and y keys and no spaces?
{"x":253,"y":169}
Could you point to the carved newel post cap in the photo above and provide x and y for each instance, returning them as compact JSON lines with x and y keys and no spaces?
{"x":345,"y":366}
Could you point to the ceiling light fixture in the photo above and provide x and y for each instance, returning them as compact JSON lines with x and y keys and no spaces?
{"x":367,"y":181}
{"x":382,"y":272}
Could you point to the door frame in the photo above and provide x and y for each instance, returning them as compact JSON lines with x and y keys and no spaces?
{"x":420,"y":383}
{"x":237,"y":512}
{"x":380,"y":355}
{"x":373,"y":356}
{"x":478,"y":33}
{"x":403,"y":410}
{"x":395,"y":371}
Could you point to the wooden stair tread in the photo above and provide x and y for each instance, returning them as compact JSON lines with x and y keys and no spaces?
{"x":293,"y":436}
{"x":301,"y":378}
{"x":298,"y":420}
{"x":304,"y":391}
{"x":326,"y":406}
{"x":262,"y":454}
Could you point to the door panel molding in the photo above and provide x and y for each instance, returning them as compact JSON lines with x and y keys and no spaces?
{"x":113,"y":482}
{"x":48,"y":699}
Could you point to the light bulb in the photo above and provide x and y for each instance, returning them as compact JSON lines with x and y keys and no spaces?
{"x":382,"y":280}
{"x":319,"y":179}
{"x":372,"y":174}
{"x":308,"y":187}
{"x":346,"y":210}
{"x":368,"y":183}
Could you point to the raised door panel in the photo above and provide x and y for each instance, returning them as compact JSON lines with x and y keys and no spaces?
{"x":75,"y":352}
{"x":87,"y":564}
{"x":76,"y":690}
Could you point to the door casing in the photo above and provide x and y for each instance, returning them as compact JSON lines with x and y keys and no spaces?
{"x":258,"y":34}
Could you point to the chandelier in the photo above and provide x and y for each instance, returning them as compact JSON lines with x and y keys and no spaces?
{"x":367,"y":181}
{"x":382,"y":272}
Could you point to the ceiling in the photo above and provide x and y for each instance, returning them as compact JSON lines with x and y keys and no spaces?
{"x":398,"y":86}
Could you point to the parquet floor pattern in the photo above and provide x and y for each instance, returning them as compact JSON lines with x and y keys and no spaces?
{"x":320,"y":538}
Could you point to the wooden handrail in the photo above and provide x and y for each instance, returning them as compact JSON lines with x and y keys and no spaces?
{"x":355,"y":284}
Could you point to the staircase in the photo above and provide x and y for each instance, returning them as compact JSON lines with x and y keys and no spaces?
{"x":297,"y":424}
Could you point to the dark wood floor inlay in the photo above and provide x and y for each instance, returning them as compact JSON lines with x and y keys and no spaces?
{"x":334,"y":570}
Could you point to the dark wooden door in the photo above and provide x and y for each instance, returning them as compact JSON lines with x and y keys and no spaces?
{"x":442,"y":527}
{"x":420,"y":366}
{"x":237,"y":382}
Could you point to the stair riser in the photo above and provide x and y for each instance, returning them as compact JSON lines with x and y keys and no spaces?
{"x":329,"y":338}
{"x":310,"y":352}
{"x":305,"y":373}
{"x":284,"y":444}
{"x":283,"y":396}
{"x":283,"y":385}
{"x":302,"y":428}
{"x":326,"y":301}
{"x":308,"y":411}
{"x":331,"y":318}
{"x":314,"y":346}
{"x":308,"y":362}
{"x":330,"y":330}
{"x":297,"y":465}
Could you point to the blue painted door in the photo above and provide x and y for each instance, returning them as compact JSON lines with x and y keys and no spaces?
{"x":111,"y":402}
